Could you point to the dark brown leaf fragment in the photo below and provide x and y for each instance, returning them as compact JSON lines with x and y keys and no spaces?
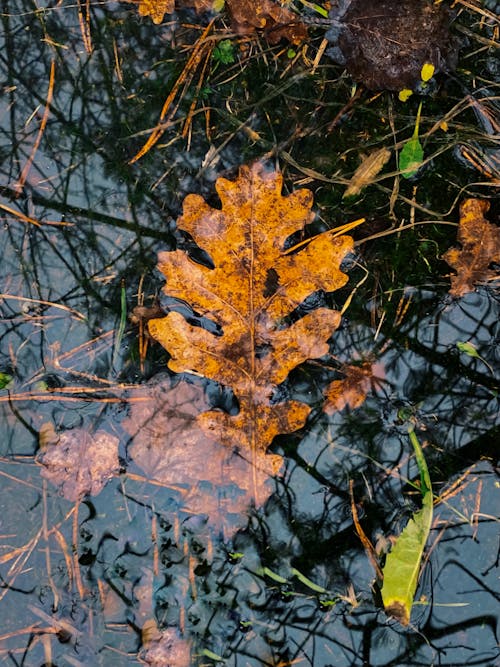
{"x":480,"y":241}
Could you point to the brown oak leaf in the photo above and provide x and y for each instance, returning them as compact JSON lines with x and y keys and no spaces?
{"x":275,"y":21}
{"x":254,"y":285}
{"x":78,"y":462}
{"x":480,"y":241}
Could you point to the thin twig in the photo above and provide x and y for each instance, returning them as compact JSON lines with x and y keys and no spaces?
{"x":24,"y":174}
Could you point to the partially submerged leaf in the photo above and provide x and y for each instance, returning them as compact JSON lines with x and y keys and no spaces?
{"x":78,"y":462}
{"x":480,"y":241}
{"x":254,"y":285}
{"x":367,"y":171}
{"x":402,"y":565}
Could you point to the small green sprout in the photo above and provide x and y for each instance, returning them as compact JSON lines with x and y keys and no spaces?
{"x":223,"y":53}
{"x":470,"y":350}
{"x":235,"y":555}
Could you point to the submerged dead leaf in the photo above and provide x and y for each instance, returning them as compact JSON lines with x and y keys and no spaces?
{"x":353,"y":389}
{"x":170,"y":447}
{"x":164,"y":648}
{"x":254,"y":285}
{"x":275,"y":21}
{"x":78,"y":462}
{"x":480,"y":241}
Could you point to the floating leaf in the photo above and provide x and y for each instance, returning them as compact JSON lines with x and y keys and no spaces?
{"x":254,"y":286}
{"x":156,"y":9}
{"x":78,"y":462}
{"x":480,"y":242}
{"x":402,"y":565}
{"x":366,"y":172}
{"x":468,"y":349}
{"x":412,"y":153}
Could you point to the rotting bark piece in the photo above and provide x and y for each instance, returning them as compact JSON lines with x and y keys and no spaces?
{"x":480,"y":241}
{"x":254,"y":285}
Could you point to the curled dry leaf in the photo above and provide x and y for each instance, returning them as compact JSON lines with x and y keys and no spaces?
{"x":78,"y":462}
{"x":352,"y":390}
{"x":254,"y":285}
{"x":480,"y":241}
{"x":275,"y":21}
{"x":170,"y":447}
{"x":369,"y":168}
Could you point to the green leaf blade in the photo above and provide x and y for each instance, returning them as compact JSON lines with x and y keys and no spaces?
{"x":411,"y":157}
{"x":402,"y":565}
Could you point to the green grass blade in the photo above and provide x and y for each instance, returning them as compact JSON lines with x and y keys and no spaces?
{"x":402,"y":565}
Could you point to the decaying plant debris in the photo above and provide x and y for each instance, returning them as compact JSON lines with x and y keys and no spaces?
{"x":385,"y":43}
{"x":480,"y":251}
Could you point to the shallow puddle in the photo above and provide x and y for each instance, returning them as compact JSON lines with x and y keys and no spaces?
{"x":174,"y":545}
